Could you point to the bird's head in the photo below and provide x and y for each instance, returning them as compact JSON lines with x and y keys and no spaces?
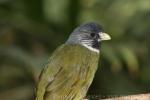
{"x":88,"y":35}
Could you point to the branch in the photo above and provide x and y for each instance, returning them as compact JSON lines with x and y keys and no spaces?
{"x":132,"y":97}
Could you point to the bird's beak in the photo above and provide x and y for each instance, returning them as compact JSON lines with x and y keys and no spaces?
{"x":104,"y":36}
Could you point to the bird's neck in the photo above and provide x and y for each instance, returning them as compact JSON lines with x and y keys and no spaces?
{"x":89,"y":47}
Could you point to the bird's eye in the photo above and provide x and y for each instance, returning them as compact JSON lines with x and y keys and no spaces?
{"x":93,"y":35}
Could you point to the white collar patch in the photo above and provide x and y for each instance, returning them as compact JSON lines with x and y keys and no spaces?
{"x":90,"y":48}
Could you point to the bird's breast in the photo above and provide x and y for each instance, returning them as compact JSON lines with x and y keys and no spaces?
{"x":80,"y":67}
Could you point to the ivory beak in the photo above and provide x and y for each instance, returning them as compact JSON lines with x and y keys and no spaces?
{"x":104,"y":36}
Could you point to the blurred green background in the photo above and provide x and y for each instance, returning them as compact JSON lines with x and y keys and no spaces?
{"x":30,"y":30}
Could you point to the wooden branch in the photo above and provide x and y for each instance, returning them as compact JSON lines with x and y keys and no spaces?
{"x":132,"y":97}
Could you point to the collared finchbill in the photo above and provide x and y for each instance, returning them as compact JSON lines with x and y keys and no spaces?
{"x":104,"y":36}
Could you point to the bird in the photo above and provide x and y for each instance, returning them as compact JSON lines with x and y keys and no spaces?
{"x":71,"y":68}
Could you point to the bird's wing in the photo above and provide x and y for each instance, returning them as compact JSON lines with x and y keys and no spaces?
{"x":64,"y":64}
{"x":57,"y":71}
{"x":46,"y":77}
{"x":48,"y":74}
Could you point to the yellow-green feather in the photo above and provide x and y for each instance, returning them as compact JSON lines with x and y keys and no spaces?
{"x":69,"y":73}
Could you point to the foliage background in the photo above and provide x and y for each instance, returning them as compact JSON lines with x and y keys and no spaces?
{"x":30,"y":30}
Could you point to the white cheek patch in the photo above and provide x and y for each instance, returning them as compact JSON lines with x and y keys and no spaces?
{"x":90,"y":48}
{"x":80,"y":39}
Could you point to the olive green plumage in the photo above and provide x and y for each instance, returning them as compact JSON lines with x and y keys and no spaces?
{"x":69,"y":73}
{"x":71,"y":68}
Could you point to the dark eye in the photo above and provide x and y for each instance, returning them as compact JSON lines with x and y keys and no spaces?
{"x":93,"y":35}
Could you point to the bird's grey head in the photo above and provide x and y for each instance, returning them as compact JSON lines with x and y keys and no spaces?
{"x":88,"y":35}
